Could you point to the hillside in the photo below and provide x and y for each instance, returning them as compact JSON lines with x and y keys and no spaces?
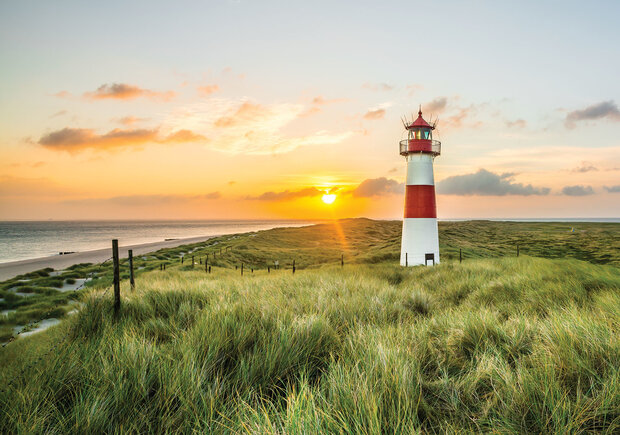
{"x":499,"y":344}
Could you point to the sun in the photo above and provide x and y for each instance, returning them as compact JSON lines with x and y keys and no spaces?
{"x":329,"y":198}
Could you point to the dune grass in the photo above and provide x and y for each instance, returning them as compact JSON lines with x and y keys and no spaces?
{"x":493,"y":345}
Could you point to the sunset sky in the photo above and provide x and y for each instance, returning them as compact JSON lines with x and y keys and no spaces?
{"x":256,"y":109}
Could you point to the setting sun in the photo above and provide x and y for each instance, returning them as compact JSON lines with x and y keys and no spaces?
{"x":329,"y":198}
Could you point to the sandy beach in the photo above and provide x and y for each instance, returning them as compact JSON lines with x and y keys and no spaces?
{"x":10,"y":269}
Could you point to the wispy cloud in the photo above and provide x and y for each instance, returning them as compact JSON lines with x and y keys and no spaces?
{"x":613,"y":189}
{"x":123,"y":91}
{"x":378,"y":187}
{"x":130,"y":120}
{"x":585,"y":167}
{"x":437,"y":105}
{"x":207,"y":90}
{"x":244,"y":126}
{"x":517,"y":123}
{"x":603,"y":110}
{"x":414,"y":88}
{"x":320,"y":100}
{"x":59,"y":113}
{"x":375,"y":114}
{"x":78,"y":139}
{"x":577,"y":190}
{"x":486,"y":183}
{"x":287,"y":195}
{"x":62,"y":94}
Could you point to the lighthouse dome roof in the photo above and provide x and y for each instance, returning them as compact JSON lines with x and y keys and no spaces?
{"x":420,"y":122}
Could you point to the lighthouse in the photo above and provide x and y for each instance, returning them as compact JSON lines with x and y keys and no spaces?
{"x":420,"y":241}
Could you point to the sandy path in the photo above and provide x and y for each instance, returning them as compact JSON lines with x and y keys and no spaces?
{"x":14,"y":268}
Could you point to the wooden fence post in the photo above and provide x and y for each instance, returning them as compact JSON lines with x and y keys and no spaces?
{"x":209,"y":269}
{"x":182,"y":258}
{"x":406,"y":260}
{"x":132,"y":282}
{"x":517,"y":250}
{"x":164,"y":266}
{"x":293,"y":267}
{"x":241,"y":269}
{"x":206,"y":267}
{"x":192,"y":261}
{"x":342,"y":260}
{"x":268,"y":269}
{"x":117,"y":280}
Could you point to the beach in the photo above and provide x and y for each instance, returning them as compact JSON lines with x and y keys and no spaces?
{"x":57,"y":262}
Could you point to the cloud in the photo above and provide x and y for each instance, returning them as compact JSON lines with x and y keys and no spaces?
{"x":613,"y":189}
{"x":247,"y":112}
{"x":62,"y":94}
{"x":412,"y":89}
{"x":130,"y":120}
{"x":519,"y":123}
{"x":604,"y":109}
{"x":577,"y":190}
{"x":207,"y":90}
{"x":320,"y":100}
{"x":486,"y":183}
{"x":144,"y":200}
{"x":378,"y":187}
{"x":288,"y":195}
{"x":380,"y":87}
{"x":393,"y":170}
{"x":248,"y":127}
{"x":122,"y":91}
{"x":59,"y":113}
{"x":375,"y":114}
{"x":436,"y":105}
{"x":585,"y":167}
{"x":78,"y":139}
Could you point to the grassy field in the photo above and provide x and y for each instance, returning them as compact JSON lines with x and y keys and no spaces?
{"x":493,"y":344}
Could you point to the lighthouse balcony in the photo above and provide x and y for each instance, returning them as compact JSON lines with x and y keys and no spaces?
{"x":427,"y":146}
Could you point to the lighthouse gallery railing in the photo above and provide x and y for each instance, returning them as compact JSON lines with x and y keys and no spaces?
{"x":420,"y":145}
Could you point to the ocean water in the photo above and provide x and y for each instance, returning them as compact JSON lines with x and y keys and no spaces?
{"x":29,"y":239}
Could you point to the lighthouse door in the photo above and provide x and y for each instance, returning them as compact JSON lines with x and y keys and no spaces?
{"x":429,"y":257}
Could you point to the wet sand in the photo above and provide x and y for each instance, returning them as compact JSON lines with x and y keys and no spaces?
{"x":14,"y":268}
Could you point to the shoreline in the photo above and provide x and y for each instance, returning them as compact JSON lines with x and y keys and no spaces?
{"x":11,"y":269}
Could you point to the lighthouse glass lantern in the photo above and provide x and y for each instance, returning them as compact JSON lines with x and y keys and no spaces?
{"x":420,"y":240}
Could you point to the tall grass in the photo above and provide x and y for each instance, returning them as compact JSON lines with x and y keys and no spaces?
{"x":510,"y":345}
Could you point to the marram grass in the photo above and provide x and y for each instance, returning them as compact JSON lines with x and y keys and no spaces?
{"x":509,"y":345}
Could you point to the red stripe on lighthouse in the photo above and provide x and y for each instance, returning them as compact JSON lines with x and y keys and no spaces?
{"x":420,"y":202}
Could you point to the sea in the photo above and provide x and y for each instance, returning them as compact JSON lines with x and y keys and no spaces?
{"x":23,"y":240}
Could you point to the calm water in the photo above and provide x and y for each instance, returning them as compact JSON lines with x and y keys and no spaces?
{"x":25,"y":240}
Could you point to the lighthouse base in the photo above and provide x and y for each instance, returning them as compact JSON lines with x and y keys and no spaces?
{"x":420,"y":242}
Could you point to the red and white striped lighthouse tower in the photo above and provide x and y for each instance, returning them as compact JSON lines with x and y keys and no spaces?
{"x":420,"y":242}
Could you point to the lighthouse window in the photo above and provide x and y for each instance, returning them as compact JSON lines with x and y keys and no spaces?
{"x":427,"y":134}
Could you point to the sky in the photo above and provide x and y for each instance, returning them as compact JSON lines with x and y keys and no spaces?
{"x":257,"y":109}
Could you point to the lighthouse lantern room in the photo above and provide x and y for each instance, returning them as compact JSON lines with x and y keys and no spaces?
{"x":420,"y":241}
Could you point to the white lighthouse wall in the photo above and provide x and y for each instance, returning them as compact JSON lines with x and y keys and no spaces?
{"x":420,"y":237}
{"x":420,"y":169}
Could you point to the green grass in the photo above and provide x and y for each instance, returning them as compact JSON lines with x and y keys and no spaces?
{"x":499,"y":344}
